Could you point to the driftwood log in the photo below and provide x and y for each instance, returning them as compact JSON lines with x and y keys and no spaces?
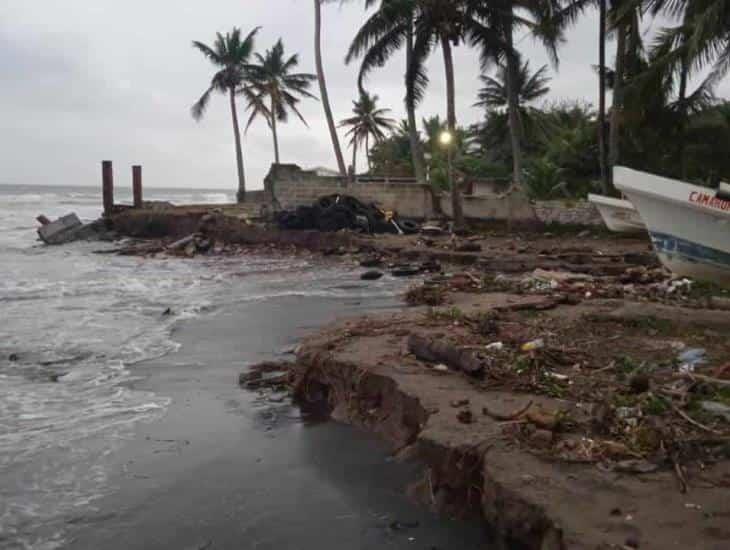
{"x":469,"y":361}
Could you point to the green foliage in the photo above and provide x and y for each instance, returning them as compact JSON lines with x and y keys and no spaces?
{"x":544,"y":180}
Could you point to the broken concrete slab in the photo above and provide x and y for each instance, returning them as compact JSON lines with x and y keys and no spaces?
{"x":69,"y":228}
{"x":61,"y":231}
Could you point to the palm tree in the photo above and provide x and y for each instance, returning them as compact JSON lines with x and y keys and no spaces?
{"x":230,"y":54}
{"x":702,"y":38}
{"x":434,"y":23}
{"x":368,"y":121}
{"x":323,"y":87}
{"x":496,"y":24}
{"x":530,"y":87}
{"x":403,"y":31}
{"x":602,"y":149}
{"x":274,"y":90}
{"x":625,"y":19}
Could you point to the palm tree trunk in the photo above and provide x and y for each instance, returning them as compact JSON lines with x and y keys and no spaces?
{"x":367,"y":151}
{"x":241,"y":195}
{"x":273,"y":131}
{"x":618,"y":97}
{"x":513,"y":111}
{"x":603,"y":160}
{"x":419,"y":164}
{"x":354,"y":161}
{"x":681,"y":140}
{"x":458,"y":213}
{"x":323,"y":88}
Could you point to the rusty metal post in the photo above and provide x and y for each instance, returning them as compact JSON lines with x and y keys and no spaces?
{"x":107,"y":186}
{"x":137,"y":185}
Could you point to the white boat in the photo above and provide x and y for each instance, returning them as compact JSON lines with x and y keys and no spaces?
{"x":619,"y":215}
{"x":689,"y":225}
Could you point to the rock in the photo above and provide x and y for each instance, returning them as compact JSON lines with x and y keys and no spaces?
{"x":13,"y":357}
{"x":190,"y":249}
{"x":405,"y":271}
{"x":640,"y":383}
{"x":371,"y":275}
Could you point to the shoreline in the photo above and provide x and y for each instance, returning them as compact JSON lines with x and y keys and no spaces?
{"x":532,"y":478}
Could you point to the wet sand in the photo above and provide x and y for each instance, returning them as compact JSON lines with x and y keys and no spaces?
{"x":228,"y":469}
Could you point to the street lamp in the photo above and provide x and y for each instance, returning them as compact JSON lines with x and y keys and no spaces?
{"x":446,"y":138}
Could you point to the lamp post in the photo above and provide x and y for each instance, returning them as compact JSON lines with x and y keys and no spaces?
{"x":446,"y":139}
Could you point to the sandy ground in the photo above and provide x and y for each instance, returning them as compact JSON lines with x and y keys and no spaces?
{"x":231,"y":469}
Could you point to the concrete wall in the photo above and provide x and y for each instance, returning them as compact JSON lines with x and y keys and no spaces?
{"x":492,"y":207}
{"x":568,"y":212}
{"x":295,"y":187}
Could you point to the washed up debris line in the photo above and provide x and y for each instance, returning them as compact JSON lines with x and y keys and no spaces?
{"x":633,"y":394}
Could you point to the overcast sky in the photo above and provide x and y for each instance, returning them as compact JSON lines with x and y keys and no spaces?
{"x":86,"y":80}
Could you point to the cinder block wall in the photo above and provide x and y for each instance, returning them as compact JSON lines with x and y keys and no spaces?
{"x":568,"y":212}
{"x":295,"y":187}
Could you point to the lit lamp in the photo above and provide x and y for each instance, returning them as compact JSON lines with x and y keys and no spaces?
{"x":446,"y":138}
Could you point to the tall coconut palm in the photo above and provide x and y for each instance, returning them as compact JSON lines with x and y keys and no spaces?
{"x":275,"y":90}
{"x":701,"y":38}
{"x":231,"y":55}
{"x":602,"y":138}
{"x":530,"y":87}
{"x":497,"y":23}
{"x":494,"y":96}
{"x":368,"y":120}
{"x":323,"y":88}
{"x":624,"y":18}
{"x":405,"y":32}
{"x":435,"y":23}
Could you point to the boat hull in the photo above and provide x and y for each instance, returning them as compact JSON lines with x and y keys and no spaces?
{"x":620,"y":216}
{"x":689,"y":226}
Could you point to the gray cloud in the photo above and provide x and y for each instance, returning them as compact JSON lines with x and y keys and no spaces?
{"x":87,"y":80}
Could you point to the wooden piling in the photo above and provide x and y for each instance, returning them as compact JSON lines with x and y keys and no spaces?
{"x":107,"y":186}
{"x":137,"y":185}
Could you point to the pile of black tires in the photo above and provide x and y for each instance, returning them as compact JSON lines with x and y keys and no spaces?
{"x":335,"y":212}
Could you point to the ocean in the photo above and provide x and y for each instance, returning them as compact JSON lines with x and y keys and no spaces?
{"x":86,"y":356}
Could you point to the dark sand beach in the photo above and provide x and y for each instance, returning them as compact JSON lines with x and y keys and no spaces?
{"x":226,"y":468}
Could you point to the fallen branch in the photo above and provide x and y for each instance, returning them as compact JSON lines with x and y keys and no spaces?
{"x":708,"y":379}
{"x":692,"y":421}
{"x":679,"y":472}
{"x":507,"y":417}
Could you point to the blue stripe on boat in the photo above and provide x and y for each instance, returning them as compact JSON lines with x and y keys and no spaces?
{"x":689,"y":251}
